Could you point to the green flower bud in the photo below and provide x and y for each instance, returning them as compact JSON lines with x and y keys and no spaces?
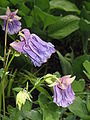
{"x":21,"y":98}
{"x":50,"y":79}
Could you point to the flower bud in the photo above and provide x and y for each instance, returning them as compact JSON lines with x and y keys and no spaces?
{"x":21,"y":98}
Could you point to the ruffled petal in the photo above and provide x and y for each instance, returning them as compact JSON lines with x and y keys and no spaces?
{"x":43,"y":51}
{"x":13,"y":27}
{"x":38,"y":51}
{"x":59,"y":95}
{"x":48,"y":47}
{"x":34,"y":58}
{"x":63,"y":97}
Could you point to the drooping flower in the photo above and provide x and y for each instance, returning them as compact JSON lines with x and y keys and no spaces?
{"x":21,"y":98}
{"x":14,"y":25}
{"x":38,"y":50}
{"x":63,"y":93}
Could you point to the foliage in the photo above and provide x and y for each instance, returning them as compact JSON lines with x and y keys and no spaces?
{"x":65,"y":23}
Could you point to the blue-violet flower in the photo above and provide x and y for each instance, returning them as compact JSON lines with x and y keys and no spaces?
{"x":63,"y":93}
{"x":38,"y":50}
{"x":14,"y":25}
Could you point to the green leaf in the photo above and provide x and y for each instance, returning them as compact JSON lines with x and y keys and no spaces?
{"x":43,"y":4}
{"x":85,"y":25}
{"x":42,"y":90}
{"x":79,"y":108}
{"x":50,"y":110}
{"x":4,"y":3}
{"x":1,"y":72}
{"x":87,"y":5}
{"x":77,"y":65}
{"x":24,"y":8}
{"x":32,"y":115}
{"x":63,"y":27}
{"x":85,"y":14}
{"x":35,"y":115}
{"x":14,"y":113}
{"x":27,"y":106}
{"x":17,"y":2}
{"x":78,"y":86}
{"x":43,"y":100}
{"x":17,"y":89}
{"x":29,"y":21}
{"x":66,"y":66}
{"x":46,"y":18}
{"x":71,"y":117}
{"x":86,"y":65}
{"x":2,"y":10}
{"x":88,"y":103}
{"x":63,"y":5}
{"x":3,"y":117}
{"x":0,"y":98}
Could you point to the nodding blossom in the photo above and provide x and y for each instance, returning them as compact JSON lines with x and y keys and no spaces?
{"x":63,"y":93}
{"x":14,"y":25}
{"x":32,"y":45}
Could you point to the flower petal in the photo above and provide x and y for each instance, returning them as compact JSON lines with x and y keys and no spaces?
{"x":58,"y":95}
{"x":27,"y":35}
{"x":35,"y":59}
{"x":4,"y":17}
{"x":44,"y":51}
{"x":8,"y":12}
{"x":63,"y":97}
{"x":13,"y":27}
{"x":16,"y":17}
{"x":67,"y":80}
{"x":18,"y":46}
{"x":15,"y":12}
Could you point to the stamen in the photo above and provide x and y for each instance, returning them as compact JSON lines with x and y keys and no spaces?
{"x":22,"y":35}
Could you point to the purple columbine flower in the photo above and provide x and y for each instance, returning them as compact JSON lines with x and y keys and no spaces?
{"x":30,"y":44}
{"x":63,"y":93}
{"x":14,"y":25}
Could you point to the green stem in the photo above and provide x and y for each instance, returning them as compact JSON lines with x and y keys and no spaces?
{"x":7,"y":57}
{"x":32,"y":89}
{"x":37,"y":84}
{"x":10,"y":61}
{"x":5,"y":47}
{"x":3,"y":98}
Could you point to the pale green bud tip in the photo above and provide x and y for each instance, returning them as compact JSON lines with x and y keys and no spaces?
{"x":21,"y":98}
{"x":50,"y":79}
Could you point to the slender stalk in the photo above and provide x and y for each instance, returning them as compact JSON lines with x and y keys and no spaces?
{"x":37,"y":84}
{"x":3,"y":98}
{"x":7,"y":57}
{"x":3,"y":80}
{"x":5,"y":47}
{"x":32,"y":89}
{"x":10,"y":61}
